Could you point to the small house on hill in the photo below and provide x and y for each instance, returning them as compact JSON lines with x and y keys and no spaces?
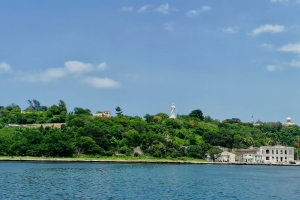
{"x":105,"y":113}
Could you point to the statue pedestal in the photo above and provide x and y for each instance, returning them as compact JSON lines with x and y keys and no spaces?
{"x":172,"y":116}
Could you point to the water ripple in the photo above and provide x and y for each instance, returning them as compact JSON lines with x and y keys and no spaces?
{"x":146,"y":181}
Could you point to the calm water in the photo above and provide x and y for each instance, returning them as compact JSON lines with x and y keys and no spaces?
{"x":20,"y":180}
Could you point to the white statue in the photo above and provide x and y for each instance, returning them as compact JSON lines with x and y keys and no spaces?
{"x":173,"y":116}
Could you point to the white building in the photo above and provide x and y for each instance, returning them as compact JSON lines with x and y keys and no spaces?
{"x":270,"y":154}
{"x":288,"y":122}
{"x":226,"y":156}
{"x":105,"y":113}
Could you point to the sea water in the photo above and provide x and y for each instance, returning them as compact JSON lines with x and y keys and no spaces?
{"x":46,"y":180}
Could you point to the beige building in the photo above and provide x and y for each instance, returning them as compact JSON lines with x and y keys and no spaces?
{"x":226,"y":156}
{"x":105,"y":113}
{"x":288,"y":122}
{"x":269,"y":155}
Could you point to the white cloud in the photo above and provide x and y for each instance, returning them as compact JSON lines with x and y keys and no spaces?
{"x":70,"y":67}
{"x":267,"y":46}
{"x":165,"y":9}
{"x":101,"y":82}
{"x":295,"y":63}
{"x":101,"y":66}
{"x":144,"y":8}
{"x":78,"y":67}
{"x":5,"y":68}
{"x":169,"y":26}
{"x":127,"y":9}
{"x":280,"y":1}
{"x":268,"y":28}
{"x":192,"y":13}
{"x":46,"y":76}
{"x":291,"y":48}
{"x":273,"y":68}
{"x":230,"y":30}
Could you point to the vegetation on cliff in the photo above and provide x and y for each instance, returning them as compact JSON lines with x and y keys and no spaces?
{"x":192,"y":135}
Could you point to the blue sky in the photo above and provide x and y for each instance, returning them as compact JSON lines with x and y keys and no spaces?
{"x":229,"y":58}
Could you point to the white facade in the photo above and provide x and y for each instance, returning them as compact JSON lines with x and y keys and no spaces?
{"x":105,"y":113}
{"x":226,"y":156}
{"x":270,"y":154}
{"x":173,"y":115}
{"x":288,"y":122}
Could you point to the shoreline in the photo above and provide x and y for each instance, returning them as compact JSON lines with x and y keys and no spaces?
{"x":123,"y":161}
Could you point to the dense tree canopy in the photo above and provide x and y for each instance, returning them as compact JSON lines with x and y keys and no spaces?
{"x":157,"y":135}
{"x":197,"y":114}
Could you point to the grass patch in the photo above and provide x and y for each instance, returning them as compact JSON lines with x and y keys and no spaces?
{"x":7,"y":130}
{"x":102,"y":158}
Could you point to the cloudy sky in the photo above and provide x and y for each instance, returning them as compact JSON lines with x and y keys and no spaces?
{"x":228,"y":58}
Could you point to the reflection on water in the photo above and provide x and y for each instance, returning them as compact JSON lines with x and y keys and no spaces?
{"x":20,"y":180}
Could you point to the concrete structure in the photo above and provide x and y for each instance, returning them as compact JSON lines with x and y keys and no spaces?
{"x":240,"y":153}
{"x":288,"y":122}
{"x":13,"y":125}
{"x":226,"y":156}
{"x":258,"y":123}
{"x":268,"y":155}
{"x":105,"y":113}
{"x":173,"y":115}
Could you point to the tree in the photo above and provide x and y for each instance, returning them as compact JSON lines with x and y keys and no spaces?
{"x":78,"y":111}
{"x":162,"y":115}
{"x":148,"y":118}
{"x":213,"y":152}
{"x":197,"y":151}
{"x":119,"y":110}
{"x":37,"y":105}
{"x":197,"y":114}
{"x":85,"y":144}
{"x":62,"y":106}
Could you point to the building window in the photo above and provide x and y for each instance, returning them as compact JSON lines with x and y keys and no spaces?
{"x":276,"y":151}
{"x":267,"y":158}
{"x":285,"y":152}
{"x":267,"y":151}
{"x":272,"y":151}
{"x":281,"y":152}
{"x":281,"y":159}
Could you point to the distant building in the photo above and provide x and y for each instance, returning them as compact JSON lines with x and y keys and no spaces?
{"x":226,"y":156}
{"x":267,"y":154}
{"x":288,"y":122}
{"x":105,"y":113}
{"x":258,"y":123}
{"x":245,"y":155}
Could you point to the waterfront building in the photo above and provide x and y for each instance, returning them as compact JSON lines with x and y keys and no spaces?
{"x":226,"y":156}
{"x":269,"y":155}
{"x":245,"y":155}
{"x":105,"y":113}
